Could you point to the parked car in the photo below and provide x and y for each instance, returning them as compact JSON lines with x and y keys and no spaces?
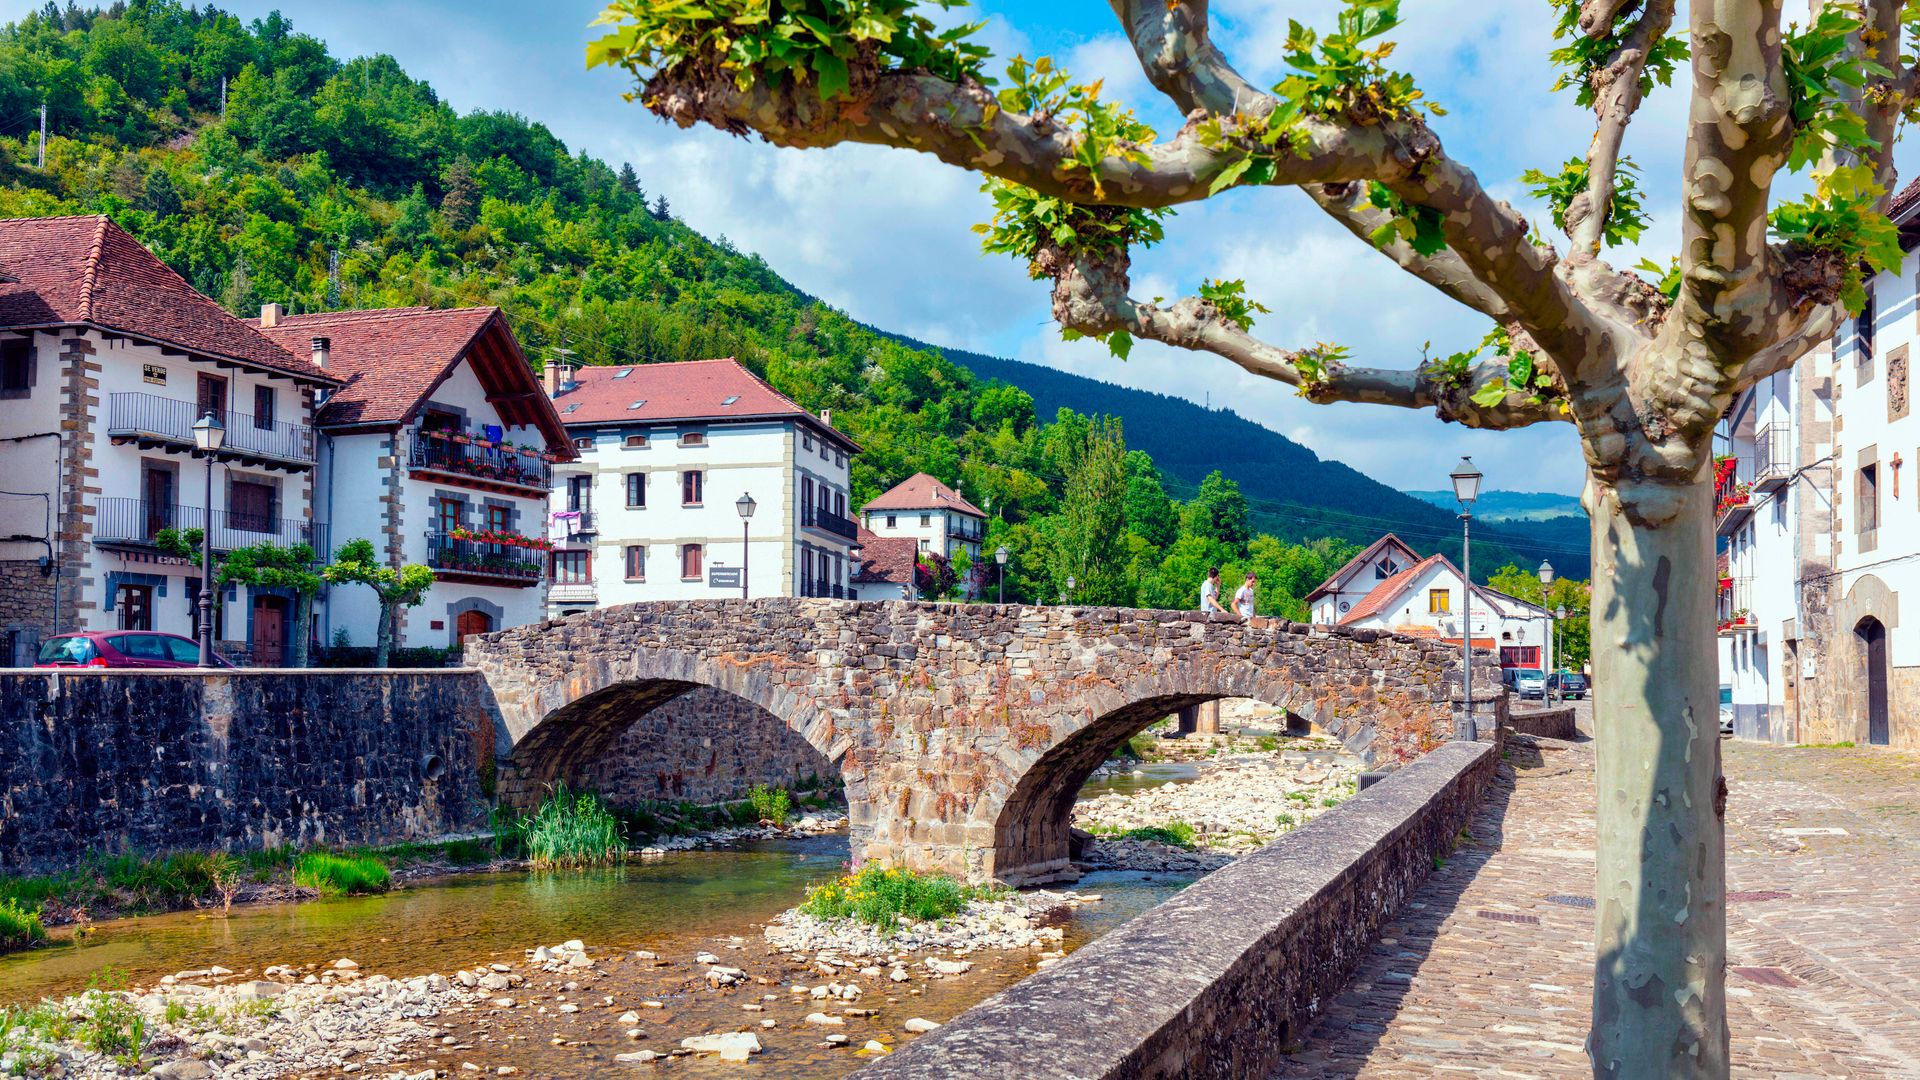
{"x":1726,"y":710}
{"x":1567,"y":684}
{"x":1529,"y":684}
{"x":122,"y":649}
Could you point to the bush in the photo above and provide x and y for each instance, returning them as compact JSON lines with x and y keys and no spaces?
{"x":879,"y":897}
{"x":19,"y":926}
{"x":1178,"y":834}
{"x":770,"y":804}
{"x":341,"y":875}
{"x":569,"y":829}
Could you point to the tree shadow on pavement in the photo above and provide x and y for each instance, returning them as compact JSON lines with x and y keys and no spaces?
{"x":1345,"y":1037}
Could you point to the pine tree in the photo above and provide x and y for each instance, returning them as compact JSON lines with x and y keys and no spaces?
{"x":630,"y":181}
{"x":661,"y":212}
{"x":462,"y":199}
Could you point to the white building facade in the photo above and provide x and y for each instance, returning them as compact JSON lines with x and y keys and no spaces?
{"x":1389,"y":587}
{"x":438,"y":450}
{"x":933,"y":515}
{"x":107,"y":360}
{"x":667,"y":454}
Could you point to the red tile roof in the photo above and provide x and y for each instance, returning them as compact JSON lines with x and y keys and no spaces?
{"x":887,"y":560}
{"x":394,"y":358}
{"x":1905,"y":199}
{"x":88,"y":271}
{"x":707,"y":390}
{"x":1359,"y":560}
{"x":1387,"y":592}
{"x":923,"y":492}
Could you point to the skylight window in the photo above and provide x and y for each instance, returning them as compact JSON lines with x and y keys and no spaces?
{"x":623,"y":373}
{"x":731,"y":399}
{"x":571,"y":407}
{"x":637,"y":404}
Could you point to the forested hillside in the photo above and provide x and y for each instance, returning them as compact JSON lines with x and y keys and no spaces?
{"x":331,"y":184}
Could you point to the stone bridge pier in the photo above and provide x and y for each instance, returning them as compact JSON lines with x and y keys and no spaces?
{"x":963,"y":732}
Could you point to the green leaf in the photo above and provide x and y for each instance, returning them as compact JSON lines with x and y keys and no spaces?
{"x":1121,"y":343}
{"x":1229,"y":175}
{"x":833,"y":75}
{"x":1491,"y":394}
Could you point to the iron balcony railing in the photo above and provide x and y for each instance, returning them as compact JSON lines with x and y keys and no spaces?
{"x":138,"y":521}
{"x":503,"y":561}
{"x":1735,"y":605}
{"x":827,"y":520}
{"x":1772,"y":464}
{"x":492,"y":464}
{"x":819,"y":590}
{"x":170,"y":421}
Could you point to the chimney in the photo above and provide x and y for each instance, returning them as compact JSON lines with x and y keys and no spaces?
{"x":321,"y":346}
{"x":826,"y":417}
{"x":270,"y":315}
{"x":558,"y":378}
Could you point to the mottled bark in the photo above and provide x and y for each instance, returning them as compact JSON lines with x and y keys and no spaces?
{"x":1616,"y":89}
{"x":1659,"y":995}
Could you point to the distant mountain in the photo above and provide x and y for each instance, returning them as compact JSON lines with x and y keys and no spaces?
{"x":1294,"y":493}
{"x":1511,"y":505}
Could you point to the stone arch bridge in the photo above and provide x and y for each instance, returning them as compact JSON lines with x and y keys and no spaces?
{"x":962,"y":731}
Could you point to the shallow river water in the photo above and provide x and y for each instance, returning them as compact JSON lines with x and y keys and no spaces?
{"x":676,"y":906}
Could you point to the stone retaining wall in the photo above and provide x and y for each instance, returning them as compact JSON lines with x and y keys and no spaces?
{"x":1218,"y":980}
{"x":707,"y":746}
{"x":1554,"y":723}
{"x":175,"y":760}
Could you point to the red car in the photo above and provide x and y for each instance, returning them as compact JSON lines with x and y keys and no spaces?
{"x":122,"y":649}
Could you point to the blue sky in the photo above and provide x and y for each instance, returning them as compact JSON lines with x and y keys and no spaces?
{"x":883,"y":234}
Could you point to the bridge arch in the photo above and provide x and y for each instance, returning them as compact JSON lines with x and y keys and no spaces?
{"x":1032,"y":829}
{"x":578,"y":718}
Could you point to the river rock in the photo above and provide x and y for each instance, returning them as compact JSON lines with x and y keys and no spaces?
{"x":824,"y":1020}
{"x":919,"y":1026}
{"x":629,"y":1017}
{"x":493,"y":980}
{"x":949,"y":967}
{"x":637,"y":1056}
{"x":344,"y":964}
{"x":183,"y":1069}
{"x":875,"y":1046}
{"x":706,"y":958}
{"x":579,"y":960}
{"x":742,"y":1042}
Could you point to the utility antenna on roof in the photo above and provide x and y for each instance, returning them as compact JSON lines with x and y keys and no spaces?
{"x":43,"y":134}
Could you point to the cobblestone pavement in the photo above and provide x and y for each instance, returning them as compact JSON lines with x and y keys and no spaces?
{"x":1488,"y":970}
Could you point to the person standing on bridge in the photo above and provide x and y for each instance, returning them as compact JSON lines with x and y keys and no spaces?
{"x":1210,"y":592}
{"x":1243,"y":599}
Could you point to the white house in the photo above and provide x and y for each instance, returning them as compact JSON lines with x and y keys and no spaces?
{"x":668,"y":456}
{"x":1389,"y":587}
{"x":934,"y":515}
{"x":1820,"y":530}
{"x":884,"y":567}
{"x":107,"y":359}
{"x":437,"y":449}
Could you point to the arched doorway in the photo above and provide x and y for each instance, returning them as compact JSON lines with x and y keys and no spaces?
{"x":468,"y":623}
{"x":1873,"y":651}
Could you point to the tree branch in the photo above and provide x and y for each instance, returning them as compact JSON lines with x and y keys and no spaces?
{"x":1444,"y":270}
{"x":1616,"y":94}
{"x":1090,"y":296}
{"x":1175,"y":46}
{"x":1740,"y":130}
{"x":963,"y":125}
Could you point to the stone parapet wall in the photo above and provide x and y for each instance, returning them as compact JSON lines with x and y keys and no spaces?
{"x":26,"y":604}
{"x":1554,"y":723}
{"x":1222,"y":978}
{"x":185,"y":760}
{"x":707,"y":746}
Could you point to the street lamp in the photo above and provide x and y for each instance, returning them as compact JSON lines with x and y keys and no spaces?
{"x":1068,"y":594}
{"x":745,"y":505}
{"x":1546,"y":654}
{"x":209,"y":434}
{"x":1466,"y":488}
{"x":1000,"y":556}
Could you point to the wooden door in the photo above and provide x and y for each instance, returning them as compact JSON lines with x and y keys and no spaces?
{"x":159,"y":500}
{"x":1873,"y":639}
{"x":468,"y":623}
{"x":269,"y":644}
{"x":213,"y":397}
{"x":136,"y":607}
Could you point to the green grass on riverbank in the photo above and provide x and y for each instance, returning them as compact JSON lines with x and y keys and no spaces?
{"x":1178,"y":834}
{"x":570,"y":829}
{"x":881,"y":896}
{"x":19,"y":926}
{"x":341,"y":875}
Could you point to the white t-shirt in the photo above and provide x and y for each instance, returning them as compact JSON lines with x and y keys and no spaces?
{"x":1209,"y":595}
{"x":1243,"y":601}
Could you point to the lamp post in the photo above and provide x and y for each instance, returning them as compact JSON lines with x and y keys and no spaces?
{"x":1000,"y":556}
{"x":745,"y":505}
{"x":1466,"y":488}
{"x":1547,"y":654}
{"x":209,"y":434}
{"x":1559,"y":616}
{"x":1067,"y":594}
